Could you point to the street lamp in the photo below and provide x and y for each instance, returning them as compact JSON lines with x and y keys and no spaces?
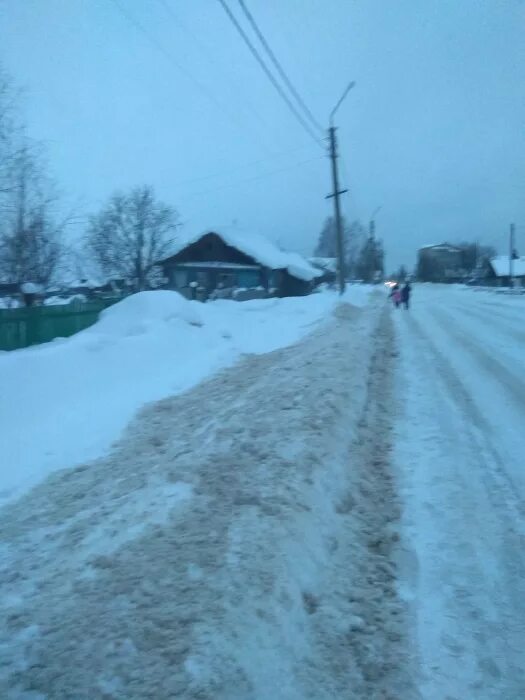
{"x":336,"y":192}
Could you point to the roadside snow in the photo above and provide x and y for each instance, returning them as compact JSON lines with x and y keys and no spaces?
{"x":235,"y":545}
{"x":66,"y":402}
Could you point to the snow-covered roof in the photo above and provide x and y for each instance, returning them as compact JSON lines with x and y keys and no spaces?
{"x":260,"y":249}
{"x":442,"y":246}
{"x":500,"y":265}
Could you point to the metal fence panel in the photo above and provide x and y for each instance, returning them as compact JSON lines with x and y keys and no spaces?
{"x":20,"y":328}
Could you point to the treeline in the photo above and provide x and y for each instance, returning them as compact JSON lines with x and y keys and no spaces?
{"x":364,"y":254}
{"x":124,"y":239}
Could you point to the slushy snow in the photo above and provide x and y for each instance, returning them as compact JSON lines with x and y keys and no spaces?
{"x":66,"y":402}
{"x":235,"y":545}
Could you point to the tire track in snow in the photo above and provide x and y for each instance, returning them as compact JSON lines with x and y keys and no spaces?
{"x":496,"y":320}
{"x":364,"y":600}
{"x":464,"y":521}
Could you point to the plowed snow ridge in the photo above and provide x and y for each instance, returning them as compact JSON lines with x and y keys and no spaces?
{"x":236,"y":544}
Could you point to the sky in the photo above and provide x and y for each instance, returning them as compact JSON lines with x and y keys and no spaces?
{"x":164,"y":92}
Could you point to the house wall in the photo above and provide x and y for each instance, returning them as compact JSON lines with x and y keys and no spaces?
{"x":292,"y":286}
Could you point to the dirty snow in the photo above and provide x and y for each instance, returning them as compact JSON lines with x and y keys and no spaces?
{"x":66,"y":402}
{"x":236,"y":544}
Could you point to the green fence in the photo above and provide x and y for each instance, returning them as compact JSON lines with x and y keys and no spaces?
{"x":20,"y":328}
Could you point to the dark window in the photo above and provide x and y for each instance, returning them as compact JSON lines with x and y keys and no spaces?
{"x":248,"y":278}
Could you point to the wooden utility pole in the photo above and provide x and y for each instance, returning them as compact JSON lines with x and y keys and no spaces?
{"x":511,"y":256}
{"x":337,"y":211}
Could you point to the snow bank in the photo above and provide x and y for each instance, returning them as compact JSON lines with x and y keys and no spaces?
{"x":236,"y":545}
{"x":65,"y":402}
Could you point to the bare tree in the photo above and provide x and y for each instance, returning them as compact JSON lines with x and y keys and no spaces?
{"x":131,"y":234}
{"x":354,"y":239}
{"x":30,"y":236}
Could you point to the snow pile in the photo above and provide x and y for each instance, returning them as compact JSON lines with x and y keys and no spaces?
{"x":57,"y":300}
{"x":236,"y":544}
{"x":141,"y":313}
{"x":260,"y":249}
{"x":66,"y":402}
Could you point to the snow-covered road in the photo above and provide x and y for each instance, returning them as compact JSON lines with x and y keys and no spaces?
{"x":460,"y":453}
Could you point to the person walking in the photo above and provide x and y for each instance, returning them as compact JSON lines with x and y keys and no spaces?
{"x":395,"y":294}
{"x":405,"y":295}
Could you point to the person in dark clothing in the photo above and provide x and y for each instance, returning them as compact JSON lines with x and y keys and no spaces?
{"x":405,"y":295}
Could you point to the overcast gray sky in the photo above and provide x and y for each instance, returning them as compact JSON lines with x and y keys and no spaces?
{"x":434,"y":130}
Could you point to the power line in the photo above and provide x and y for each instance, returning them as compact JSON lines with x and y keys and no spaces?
{"x":269,"y":75}
{"x":140,"y":27}
{"x":253,"y":179}
{"x":184,"y":29}
{"x":279,"y":67}
{"x":238,"y":168}
{"x":169,"y":56}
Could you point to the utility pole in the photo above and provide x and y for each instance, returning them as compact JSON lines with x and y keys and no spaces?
{"x":511,"y":255}
{"x":337,"y":192}
{"x":337,"y":210}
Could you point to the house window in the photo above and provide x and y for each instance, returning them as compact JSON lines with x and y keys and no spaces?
{"x":179,"y":278}
{"x":226,"y":280}
{"x":203,"y":278}
{"x":248,"y":278}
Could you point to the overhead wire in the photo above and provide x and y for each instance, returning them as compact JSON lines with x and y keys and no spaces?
{"x":183,"y":28}
{"x":169,"y":56}
{"x":261,"y":176}
{"x":239,"y":168}
{"x":279,"y":67}
{"x":269,"y":74}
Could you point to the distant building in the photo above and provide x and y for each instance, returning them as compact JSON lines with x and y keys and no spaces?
{"x":440,"y":263}
{"x":238,"y":266}
{"x":497,"y":271}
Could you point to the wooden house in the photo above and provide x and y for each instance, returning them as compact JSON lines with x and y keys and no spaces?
{"x":238,"y":266}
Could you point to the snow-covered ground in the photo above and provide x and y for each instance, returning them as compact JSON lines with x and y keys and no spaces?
{"x":66,"y":402}
{"x":460,"y":453}
{"x":340,"y":517}
{"x":235,"y":545}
